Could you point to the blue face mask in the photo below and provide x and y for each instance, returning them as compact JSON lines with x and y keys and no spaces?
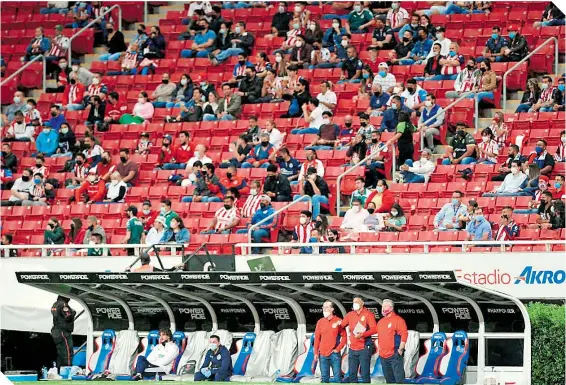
{"x":512,"y":35}
{"x":37,"y":181}
{"x":382,"y":74}
{"x":452,"y":53}
{"x":394,"y":106}
{"x":557,"y":185}
{"x":538,"y":149}
{"x":494,"y":36}
{"x":479,"y":218}
{"x":213,"y":347}
{"x":313,"y":240}
{"x":561,"y":87}
{"x":366,"y":76}
{"x":455,"y":202}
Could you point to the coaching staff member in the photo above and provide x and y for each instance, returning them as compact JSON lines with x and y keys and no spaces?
{"x":63,"y":326}
{"x":329,"y":340}
{"x":391,"y":339}
{"x":362,"y":326}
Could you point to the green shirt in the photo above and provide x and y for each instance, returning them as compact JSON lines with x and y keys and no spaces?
{"x":135,"y":227}
{"x":357,"y":19}
{"x":97,"y":252}
{"x":361,"y":196}
{"x":170,"y":215}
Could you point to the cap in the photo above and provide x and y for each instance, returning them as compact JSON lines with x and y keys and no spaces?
{"x":76,"y":61}
{"x":383,"y":65}
{"x":544,"y":178}
{"x":92,"y":171}
{"x":59,"y":27}
{"x":272,"y":168}
{"x":383,"y":18}
{"x":512,"y":28}
{"x":440,"y":29}
{"x":265,"y":198}
{"x":427,"y":150}
{"x":160,"y":219}
{"x":168,"y":137}
{"x":145,"y":134}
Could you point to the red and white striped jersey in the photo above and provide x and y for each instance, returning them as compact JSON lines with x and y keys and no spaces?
{"x":80,"y":171}
{"x":225,"y":217}
{"x":130,"y":60}
{"x":395,"y":18}
{"x":74,"y":94}
{"x":37,"y":191}
{"x":489,"y":146}
{"x":500,"y":139}
{"x":43,"y":170}
{"x":560,"y":155}
{"x":94,"y":151}
{"x":302,"y":233}
{"x":59,"y":46}
{"x":251,"y":205}
{"x":32,"y":115}
{"x":292,"y":37}
{"x":452,"y":70}
{"x":547,"y":95}
{"x":94,"y":90}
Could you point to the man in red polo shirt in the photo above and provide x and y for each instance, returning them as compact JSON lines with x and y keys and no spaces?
{"x":391,"y":339}
{"x":233,"y":180}
{"x":181,"y":154}
{"x":362,"y":326}
{"x":114,"y":108}
{"x":329,"y":340}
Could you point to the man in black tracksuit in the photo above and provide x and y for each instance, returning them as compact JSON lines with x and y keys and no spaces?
{"x":63,"y":325}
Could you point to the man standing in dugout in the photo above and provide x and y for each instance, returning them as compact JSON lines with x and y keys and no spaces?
{"x":63,"y":326}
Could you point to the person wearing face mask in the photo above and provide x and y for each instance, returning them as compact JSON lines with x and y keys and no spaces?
{"x":478,"y":228}
{"x":261,"y":155}
{"x":512,"y":184}
{"x":19,"y":131}
{"x":462,"y":147}
{"x":266,"y":228}
{"x":329,"y":340}
{"x":403,"y":137}
{"x":53,"y":234}
{"x":92,"y":190}
{"x":494,"y":47}
{"x":378,"y":100}
{"x":543,"y":185}
{"x":203,"y":41}
{"x":241,"y":42}
{"x":518,"y":47}
{"x":116,"y":189}
{"x":542,"y":158}
{"x":557,"y":218}
{"x":413,"y":26}
{"x":382,"y":36}
{"x":183,"y":91}
{"x":20,"y":190}
{"x":73,"y":94}
{"x":354,"y":219}
{"x":397,"y":16}
{"x":252,"y":203}
{"x":429,"y":123}
{"x":451,"y":64}
{"x":18,"y":105}
{"x":351,"y":67}
{"x":295,"y":30}
{"x":488,"y":149}
{"x":76,"y":234}
{"x":47,"y":141}
{"x":32,"y":116}
{"x":543,"y":211}
{"x":382,"y":197}
{"x":447,"y":219}
{"x":143,"y":110}
{"x":357,"y":149}
{"x":166,"y":212}
{"x":83,"y":75}
{"x":281,"y":20}
{"x":93,"y":227}
{"x":328,"y":132}
{"x":332,"y":38}
{"x":155,"y":232}
{"x":301,"y":52}
{"x":9,"y":161}
{"x":148,"y":215}
{"x":311,"y":161}
{"x":560,"y":155}
{"x":488,"y":83}
{"x":419,"y":171}
{"x":276,"y":185}
{"x":313,"y":33}
{"x":362,"y":325}
{"x":162,"y":355}
{"x":97,"y":109}
{"x":315,"y":188}
{"x":39,"y":45}
{"x":359,"y":19}
{"x":384,"y":78}
{"x":403,"y":49}
{"x":115,"y":42}
{"x":38,"y":194}
{"x":549,"y":96}
{"x":250,"y":86}
{"x":421,"y":49}
{"x":164,"y":92}
{"x":225,"y":219}
{"x":239,"y":71}
{"x":217,"y":365}
{"x":233,"y":180}
{"x":393,"y":335}
{"x":207,"y":188}
{"x":302,"y":231}
{"x":154,"y":46}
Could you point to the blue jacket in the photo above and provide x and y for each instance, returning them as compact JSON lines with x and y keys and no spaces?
{"x":55,"y":123}
{"x":421,"y":48}
{"x":330,"y":40}
{"x":264,"y":213}
{"x":379,"y":101}
{"x":44,"y":45}
{"x":494,"y":46}
{"x":183,"y":236}
{"x":47,"y":143}
{"x":391,"y":118}
{"x":219,"y":362}
{"x":238,"y":65}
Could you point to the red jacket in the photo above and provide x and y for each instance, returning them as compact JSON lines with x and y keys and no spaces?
{"x":95,"y":191}
{"x":236,"y":181}
{"x":367,"y":319}
{"x":387,"y":200}
{"x":114,"y":111}
{"x":150,"y":219}
{"x":329,"y":336}
{"x":389,"y":329}
{"x":78,"y":238}
{"x":182,"y":155}
{"x":77,"y":94}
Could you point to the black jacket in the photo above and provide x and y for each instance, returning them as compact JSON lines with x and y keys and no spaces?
{"x":10,"y":162}
{"x":278,"y":184}
{"x":430,"y":62}
{"x":116,"y":43}
{"x":63,"y":317}
{"x":281,"y":22}
{"x":320,"y":183}
{"x":518,"y":47}
{"x":251,"y":87}
{"x":530,"y":97}
{"x":92,"y":118}
{"x":67,"y":141}
{"x":247,"y":42}
{"x":222,"y":41}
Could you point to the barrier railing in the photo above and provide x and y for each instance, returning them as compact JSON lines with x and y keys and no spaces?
{"x":36,"y":58}
{"x":354,"y":167}
{"x":109,"y":10}
{"x":547,"y":41}
{"x":277,"y":212}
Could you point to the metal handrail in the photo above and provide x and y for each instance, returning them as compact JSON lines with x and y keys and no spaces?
{"x":94,"y":22}
{"x":443,"y":112}
{"x":524,"y":60}
{"x":363,"y":161}
{"x":145,"y":12}
{"x":252,"y":227}
{"x":36,"y":58}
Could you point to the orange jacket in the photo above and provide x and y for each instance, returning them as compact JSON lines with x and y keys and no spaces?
{"x":95,"y":191}
{"x":367,"y":319}
{"x":329,"y":336}
{"x":391,"y":331}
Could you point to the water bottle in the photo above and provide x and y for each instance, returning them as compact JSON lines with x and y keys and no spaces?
{"x":44,"y":372}
{"x":55,"y":366}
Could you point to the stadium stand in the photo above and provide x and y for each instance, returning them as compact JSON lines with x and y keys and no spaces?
{"x":127,"y":105}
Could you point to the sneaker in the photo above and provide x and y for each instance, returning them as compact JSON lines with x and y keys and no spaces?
{"x":137,"y":377}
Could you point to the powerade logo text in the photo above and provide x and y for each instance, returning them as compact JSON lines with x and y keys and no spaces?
{"x":533,"y":277}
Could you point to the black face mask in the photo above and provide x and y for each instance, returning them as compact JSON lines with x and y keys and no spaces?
{"x":471,"y":67}
{"x":371,"y":211}
{"x":317,"y":223}
{"x":38,"y":165}
{"x":141,"y":31}
{"x":123,"y":159}
{"x":265,"y":144}
{"x":263,"y":205}
{"x":363,"y":124}
{"x":54,"y":114}
{"x":73,"y":81}
{"x":79,"y":162}
{"x":331,"y":239}
{"x":410,"y":89}
{"x":377,"y":93}
{"x":165,"y":144}
{"x":374,"y":141}
{"x":227,"y":207}
{"x":483,"y":69}
{"x":348,"y":124}
{"x":242,"y":62}
{"x":104,"y":161}
{"x":91,"y":227}
{"x":25,"y":178}
{"x":109,"y":30}
{"x":228,"y":175}
{"x":406,"y":39}
{"x":461,"y":133}
{"x":165,"y":81}
{"x":4,"y":154}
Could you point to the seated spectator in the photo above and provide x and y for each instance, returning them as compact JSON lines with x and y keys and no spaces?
{"x":79,"y":171}
{"x":301,"y":53}
{"x":114,"y":109}
{"x":82,"y":14}
{"x":20,"y":190}
{"x":250,"y":86}
{"x":115,"y":43}
{"x":19,"y":131}
{"x":414,"y":96}
{"x":494,"y":47}
{"x":39,"y":194}
{"x":533,"y":173}
{"x":92,"y":190}
{"x":376,"y":164}
{"x":315,"y":188}
{"x":488,"y":149}
{"x":361,"y":193}
{"x":359,"y":19}
{"x":144,"y":144}
{"x":73,"y":94}
{"x":76,"y":233}
{"x":382,"y":198}
{"x":354,"y":219}
{"x":207,"y":187}
{"x":240,"y":153}
{"x":264,"y":230}
{"x":300,"y":97}
{"x":559,"y":105}
{"x":47,"y":141}
{"x":499,"y":129}
{"x":512,"y":184}
{"x":261,"y":155}
{"x":7,"y":241}
{"x":558,"y":190}
{"x":420,"y":51}
{"x":154,"y":47}
{"x":549,"y":97}
{"x":357,"y":149}
{"x":332,"y":38}
{"x":557,"y":217}
{"x":39,"y":45}
{"x":542,"y":158}
{"x":321,"y":57}
{"x":96,"y":239}
{"x":93,"y":228}
{"x":382,"y":36}
{"x":225,"y":218}
{"x":178,"y":157}
{"x":164,"y":92}
{"x":288,"y":165}
{"x":508,"y":229}
{"x":55,"y":7}
{"x":467,"y":7}
{"x":396,"y":220}
{"x":327,"y":137}
{"x":419,"y":171}
{"x":129,"y":61}
{"x":312,"y":112}
{"x":57,"y":119}
{"x":229,"y":107}
{"x":276,"y":186}
{"x":544,"y":212}
{"x":251,"y":205}
{"x":479,"y":228}
{"x":451,"y":64}
{"x":281,"y":20}
{"x":275,"y":136}
{"x":302,"y":231}
{"x":116,"y":189}
{"x":53,"y":234}
{"x":96,"y":114}
{"x":543,"y":185}
{"x":397,"y":16}
{"x":530,"y":97}
{"x":402,"y":50}
{"x":8,"y":159}
{"x":93,"y":152}
{"x":18,"y":105}
{"x":517,"y":48}
{"x":239,"y":71}
{"x":451,"y":214}
{"x":433,"y":67}
{"x":40,"y":167}
{"x":513,"y":153}
{"x":143,"y":111}
{"x":32,"y":116}
{"x":311,"y":161}
{"x":191,"y":110}
{"x":551,"y":16}
{"x":155,"y":232}
{"x":488,"y":83}
{"x":412,"y":26}
{"x":365,"y":127}
{"x":462,"y":148}
{"x":428,"y":123}
{"x":203,"y":42}
{"x":233,"y":180}
{"x":378,"y":101}
{"x":351,"y":67}
{"x":183,"y":92}
{"x":240,"y":41}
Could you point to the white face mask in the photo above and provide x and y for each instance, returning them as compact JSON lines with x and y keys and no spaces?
{"x":46,"y":130}
{"x":357,"y":8}
{"x":75,"y":68}
{"x":17,"y":99}
{"x":563,"y":139}
{"x":91,"y":178}
{"x":325,"y":121}
{"x":183,"y":82}
{"x":423,"y":159}
{"x":197,"y":154}
{"x":335,"y":25}
{"x":514,"y":170}
{"x":253,"y":191}
{"x":312,"y":27}
{"x":302,"y":220}
{"x":356,"y":306}
{"x":91,"y":243}
{"x":396,"y":90}
{"x":428,"y":103}
{"x":298,"y":44}
{"x":238,"y":30}
{"x":544,"y":86}
{"x":95,"y":81}
{"x":345,"y":43}
{"x":394,"y":213}
{"x":63,"y":65}
{"x":357,"y":209}
{"x":281,"y":9}
{"x":380,"y":189}
{"x":485,"y":139}
{"x":440,"y":35}
{"x":278,"y":59}
{"x":64,"y":130}
{"x":146,"y":212}
{"x":141,"y":100}
{"x":297,"y":8}
{"x":326,"y":314}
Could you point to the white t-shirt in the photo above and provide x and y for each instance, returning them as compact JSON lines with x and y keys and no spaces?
{"x":204,"y":160}
{"x":328,"y":97}
{"x":153,"y":236}
{"x":97,"y":150}
{"x":275,"y":138}
{"x":316,"y":117}
{"x":21,"y":187}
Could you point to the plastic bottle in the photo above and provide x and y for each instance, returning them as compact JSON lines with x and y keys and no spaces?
{"x":55,"y":366}
{"x":44,"y":373}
